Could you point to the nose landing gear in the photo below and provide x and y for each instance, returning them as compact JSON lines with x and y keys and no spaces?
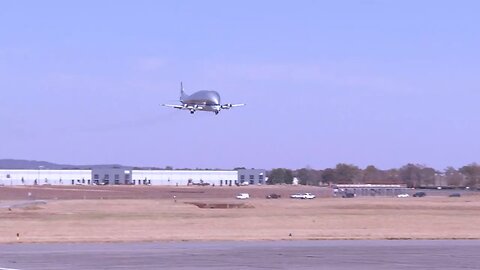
{"x":192,"y":111}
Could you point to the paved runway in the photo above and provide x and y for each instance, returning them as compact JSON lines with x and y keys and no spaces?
{"x":357,"y":254}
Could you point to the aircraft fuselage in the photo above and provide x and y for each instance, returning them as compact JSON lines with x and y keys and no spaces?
{"x":207,"y":100}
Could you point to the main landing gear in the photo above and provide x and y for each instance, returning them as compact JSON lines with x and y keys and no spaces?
{"x":192,"y":111}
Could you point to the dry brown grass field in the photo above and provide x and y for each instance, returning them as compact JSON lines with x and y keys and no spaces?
{"x":137,"y":219}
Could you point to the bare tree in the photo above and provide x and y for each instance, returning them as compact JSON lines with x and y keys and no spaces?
{"x":308,"y":176}
{"x":472,"y":174}
{"x":454,"y":177}
{"x":347,"y":173}
{"x":280,"y":176}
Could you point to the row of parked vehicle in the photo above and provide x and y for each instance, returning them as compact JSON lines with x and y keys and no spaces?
{"x":417,"y":194}
{"x":304,"y":196}
{"x":309,"y":196}
{"x":423,"y":194}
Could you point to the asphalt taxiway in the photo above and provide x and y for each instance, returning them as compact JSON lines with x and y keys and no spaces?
{"x":336,"y":255}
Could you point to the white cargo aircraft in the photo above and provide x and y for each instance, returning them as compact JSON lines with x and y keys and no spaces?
{"x":204,"y":100}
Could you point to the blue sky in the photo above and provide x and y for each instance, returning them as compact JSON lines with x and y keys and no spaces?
{"x":361,"y":82}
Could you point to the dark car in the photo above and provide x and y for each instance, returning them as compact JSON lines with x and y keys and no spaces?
{"x":348,"y":195}
{"x":273,"y":196}
{"x":420,"y":194}
{"x":455,"y":195}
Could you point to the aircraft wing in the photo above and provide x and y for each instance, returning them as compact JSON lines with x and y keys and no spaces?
{"x":229,"y":106}
{"x":184,"y":107}
{"x":174,"y":106}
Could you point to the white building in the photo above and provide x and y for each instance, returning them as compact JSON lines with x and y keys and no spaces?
{"x":184,"y":177}
{"x":45,"y":177}
{"x":121,"y":176}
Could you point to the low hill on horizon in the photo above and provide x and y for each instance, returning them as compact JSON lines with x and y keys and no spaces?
{"x":34,"y":164}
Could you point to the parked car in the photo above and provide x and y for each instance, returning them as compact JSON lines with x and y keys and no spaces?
{"x":420,"y":194}
{"x":455,"y":195}
{"x":273,"y":196}
{"x":348,"y":195}
{"x":243,"y":196}
{"x":308,"y":196}
{"x":302,"y":196}
{"x":403,"y":195}
{"x":296,"y":196}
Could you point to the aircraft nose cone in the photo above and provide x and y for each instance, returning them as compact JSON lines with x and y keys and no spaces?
{"x":216,"y":98}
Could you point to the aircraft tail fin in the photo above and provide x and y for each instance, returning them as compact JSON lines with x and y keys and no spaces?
{"x":182,"y":92}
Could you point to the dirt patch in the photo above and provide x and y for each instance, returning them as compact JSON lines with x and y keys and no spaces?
{"x":221,"y":205}
{"x":32,"y":208}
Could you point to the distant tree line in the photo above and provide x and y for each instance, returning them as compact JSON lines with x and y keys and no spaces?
{"x":412,"y":175}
